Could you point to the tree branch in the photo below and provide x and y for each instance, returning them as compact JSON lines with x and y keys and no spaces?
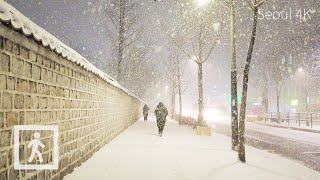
{"x":181,"y":48}
{"x":227,"y":2}
{"x":111,"y":16}
{"x":212,"y":47}
{"x":250,"y":4}
{"x":259,"y":4}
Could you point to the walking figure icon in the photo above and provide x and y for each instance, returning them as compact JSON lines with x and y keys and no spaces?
{"x":34,"y":144}
{"x":40,"y":158}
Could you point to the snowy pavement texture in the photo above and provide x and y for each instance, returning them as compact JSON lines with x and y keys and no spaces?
{"x":139,"y":153}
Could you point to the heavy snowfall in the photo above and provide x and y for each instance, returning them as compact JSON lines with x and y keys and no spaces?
{"x":231,"y":88}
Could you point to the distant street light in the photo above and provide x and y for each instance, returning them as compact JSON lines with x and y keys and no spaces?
{"x":300,"y":70}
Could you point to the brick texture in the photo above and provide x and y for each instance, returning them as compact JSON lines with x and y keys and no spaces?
{"x":38,"y":87}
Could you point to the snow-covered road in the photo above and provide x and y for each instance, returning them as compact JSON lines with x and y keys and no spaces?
{"x":139,"y":153}
{"x":302,"y":136}
{"x":299,"y":145}
{"x":311,"y":138}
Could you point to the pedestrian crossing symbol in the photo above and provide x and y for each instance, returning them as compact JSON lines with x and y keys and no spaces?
{"x":32,"y":150}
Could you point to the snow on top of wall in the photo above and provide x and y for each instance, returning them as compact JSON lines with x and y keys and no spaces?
{"x":19,"y":22}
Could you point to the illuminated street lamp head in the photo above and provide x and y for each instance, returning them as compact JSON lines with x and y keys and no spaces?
{"x":202,"y":2}
{"x":167,"y":87}
{"x":300,"y":70}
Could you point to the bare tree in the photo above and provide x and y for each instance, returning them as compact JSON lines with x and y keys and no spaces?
{"x":277,"y":71}
{"x":124,"y":32}
{"x":195,"y":33}
{"x":278,"y":75}
{"x":265,"y":70}
{"x":307,"y":63}
{"x":173,"y":99}
{"x":254,"y":5}
{"x":265,"y":73}
{"x":175,"y":71}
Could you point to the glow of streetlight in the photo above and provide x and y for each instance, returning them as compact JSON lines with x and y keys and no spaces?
{"x":300,"y":70}
{"x":202,"y":2}
{"x":167,"y":87}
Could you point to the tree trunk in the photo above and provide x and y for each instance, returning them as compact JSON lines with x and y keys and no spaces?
{"x":200,"y":100}
{"x":121,"y":39}
{"x":265,"y":93}
{"x":241,"y":151}
{"x":265,"y":99}
{"x":234,"y":99}
{"x":180,"y":104}
{"x":180,"y":94}
{"x":307,"y":93}
{"x":278,"y":98}
{"x":173,"y":99}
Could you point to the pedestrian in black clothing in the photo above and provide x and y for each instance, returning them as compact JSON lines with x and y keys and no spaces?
{"x":161,"y":113}
{"x":145,"y":112}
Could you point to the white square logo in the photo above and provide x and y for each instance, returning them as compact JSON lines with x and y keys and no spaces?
{"x":35,"y":145}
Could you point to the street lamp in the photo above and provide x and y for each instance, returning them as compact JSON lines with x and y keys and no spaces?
{"x":300,"y":70}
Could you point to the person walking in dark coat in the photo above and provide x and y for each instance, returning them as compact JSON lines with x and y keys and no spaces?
{"x":145,"y":112}
{"x":161,"y":113}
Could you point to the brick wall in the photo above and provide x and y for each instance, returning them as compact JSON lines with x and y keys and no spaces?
{"x":38,"y":87}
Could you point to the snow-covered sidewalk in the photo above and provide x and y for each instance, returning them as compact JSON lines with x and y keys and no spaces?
{"x":140,"y":154}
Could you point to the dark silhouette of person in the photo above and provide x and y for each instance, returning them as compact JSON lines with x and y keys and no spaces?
{"x":161,"y":113}
{"x":145,"y":112}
